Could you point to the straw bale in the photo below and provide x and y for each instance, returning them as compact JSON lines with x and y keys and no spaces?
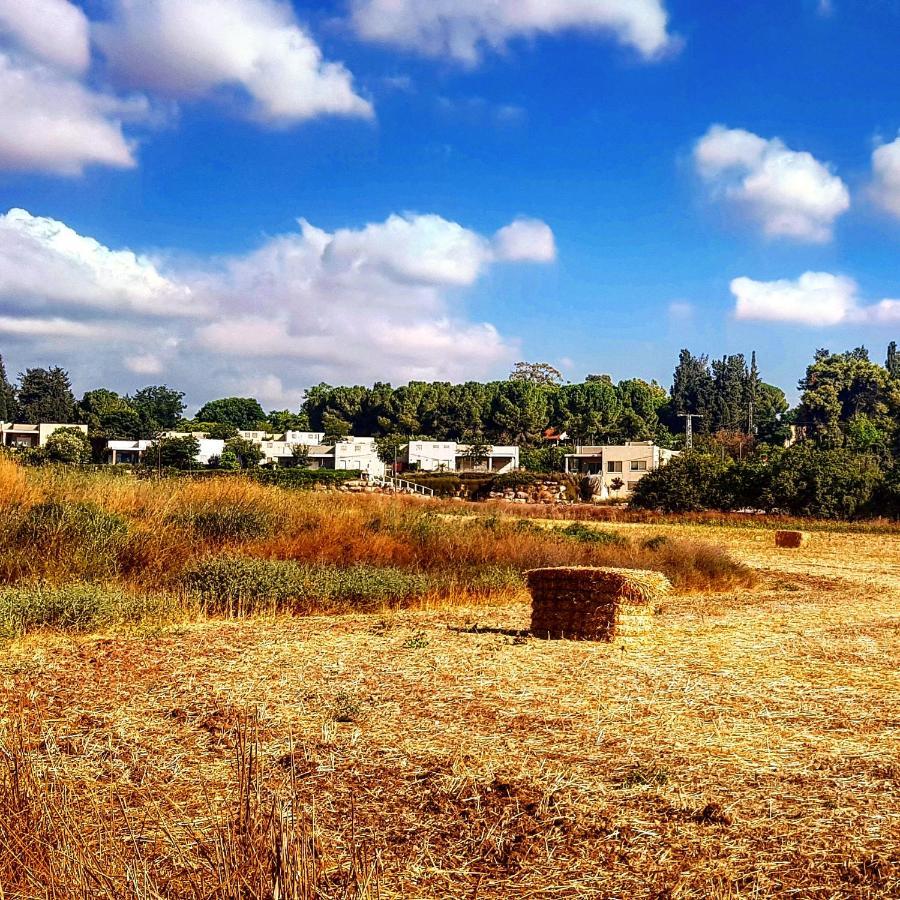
{"x":592,"y":603}
{"x":791,"y":539}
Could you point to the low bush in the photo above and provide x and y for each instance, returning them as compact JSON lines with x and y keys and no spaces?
{"x":303,"y":479}
{"x":76,"y":606}
{"x":587,"y":535}
{"x":240,"y":585}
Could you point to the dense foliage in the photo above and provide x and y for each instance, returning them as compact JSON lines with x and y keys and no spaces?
{"x":803,"y":480}
{"x":846,"y":426}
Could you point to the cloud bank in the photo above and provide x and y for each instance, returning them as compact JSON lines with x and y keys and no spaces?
{"x":464,"y":29}
{"x":787,"y":193}
{"x":384,"y":301}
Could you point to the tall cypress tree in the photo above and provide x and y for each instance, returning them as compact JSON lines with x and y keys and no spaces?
{"x":7,"y":396}
{"x":893,"y":360}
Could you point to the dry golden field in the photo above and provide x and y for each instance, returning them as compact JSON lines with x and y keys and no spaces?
{"x":750,"y":748}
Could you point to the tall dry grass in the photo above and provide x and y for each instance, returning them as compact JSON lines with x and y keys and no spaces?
{"x":62,"y":525}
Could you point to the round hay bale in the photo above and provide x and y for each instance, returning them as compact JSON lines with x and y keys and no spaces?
{"x":791,"y":539}
{"x":596,"y":604}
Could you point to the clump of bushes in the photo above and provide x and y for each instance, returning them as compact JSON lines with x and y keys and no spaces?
{"x":76,"y":606}
{"x":580,"y":532}
{"x":234,"y":584}
{"x":303,"y":479}
{"x":243,"y":585}
{"x":804,"y":480}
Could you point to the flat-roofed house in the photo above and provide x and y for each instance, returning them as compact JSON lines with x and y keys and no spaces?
{"x":30,"y":436}
{"x":620,"y":466}
{"x":450,"y":456}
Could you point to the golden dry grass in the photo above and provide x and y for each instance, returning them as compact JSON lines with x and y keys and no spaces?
{"x":748,"y":748}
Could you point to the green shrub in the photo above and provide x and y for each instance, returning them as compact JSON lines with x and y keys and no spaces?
{"x":76,"y":607}
{"x":587,"y":535}
{"x":304,"y":479}
{"x":234,"y":584}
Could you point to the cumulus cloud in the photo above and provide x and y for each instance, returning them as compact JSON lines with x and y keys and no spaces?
{"x":55,"y":31}
{"x":463,"y":29}
{"x":45,"y":264}
{"x":384,"y":301}
{"x":789,"y":193}
{"x":52,"y":123}
{"x":361,"y":304}
{"x":815,"y":298}
{"x":525,"y":240}
{"x":885,"y":187}
{"x":191,"y":48}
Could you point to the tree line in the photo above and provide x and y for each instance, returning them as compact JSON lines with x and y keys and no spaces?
{"x":847,"y":401}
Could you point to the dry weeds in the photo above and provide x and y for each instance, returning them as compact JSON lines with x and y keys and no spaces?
{"x":749,"y":749}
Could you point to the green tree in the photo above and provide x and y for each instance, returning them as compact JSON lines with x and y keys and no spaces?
{"x":824,"y":483}
{"x":536,"y":373}
{"x":45,"y":395}
{"x":8,"y":405}
{"x":248,"y":453}
{"x":691,"y":482}
{"x":282,"y":420}
{"x":477,"y":450}
{"x":520,"y":411}
{"x":242,"y":413}
{"x":389,"y":447}
{"x":67,"y":446}
{"x":838,"y":388}
{"x":589,"y":412}
{"x":160,"y":408}
{"x":693,"y":391}
{"x":892,"y":364}
{"x":173,"y":452}
{"x":300,"y":455}
{"x":109,"y":416}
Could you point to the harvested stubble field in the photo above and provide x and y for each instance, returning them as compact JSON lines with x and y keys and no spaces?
{"x":748,"y":748}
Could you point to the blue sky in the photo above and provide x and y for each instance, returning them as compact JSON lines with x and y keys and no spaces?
{"x":592,"y":184}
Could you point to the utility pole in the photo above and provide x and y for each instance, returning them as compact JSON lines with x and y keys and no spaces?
{"x":689,"y":428}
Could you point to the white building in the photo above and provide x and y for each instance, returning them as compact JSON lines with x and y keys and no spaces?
{"x":133,"y":452}
{"x":358,"y":453}
{"x":305,"y":438}
{"x":30,"y":436}
{"x":450,"y":456}
{"x":620,"y":466}
{"x":126,"y":452}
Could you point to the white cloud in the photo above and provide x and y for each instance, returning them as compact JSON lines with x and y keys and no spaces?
{"x":44,"y":263}
{"x":52,"y":123}
{"x":789,"y":193}
{"x":384,"y":301}
{"x":55,"y":31}
{"x":363,"y":304}
{"x":815,"y":298}
{"x":525,"y":240}
{"x":463,"y":29}
{"x":190,"y":48}
{"x":885,"y":187}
